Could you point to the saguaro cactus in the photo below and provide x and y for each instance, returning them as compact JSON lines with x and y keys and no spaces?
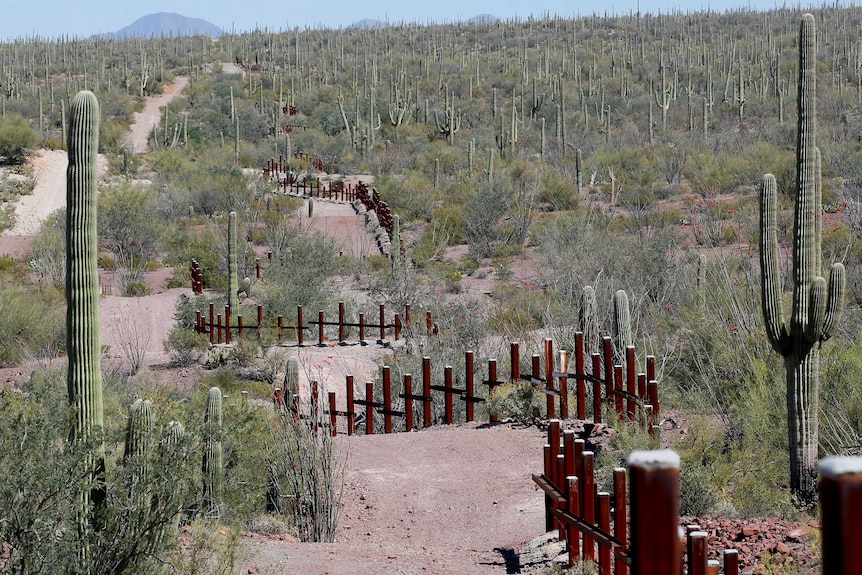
{"x":622,"y":325}
{"x":83,"y":343}
{"x":233,"y":279}
{"x":212,"y":459}
{"x":588,"y":321}
{"x":395,"y":246}
{"x":816,"y":307}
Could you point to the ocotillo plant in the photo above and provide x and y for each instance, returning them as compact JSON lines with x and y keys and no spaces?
{"x":83,"y":343}
{"x":233,"y":280}
{"x":212,"y":458}
{"x":816,"y":307}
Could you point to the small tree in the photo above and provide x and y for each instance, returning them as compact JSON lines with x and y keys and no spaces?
{"x":17,"y":139}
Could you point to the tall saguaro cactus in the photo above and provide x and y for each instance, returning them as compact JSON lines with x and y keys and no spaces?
{"x":212,"y":458}
{"x":816,"y":307}
{"x":83,"y":343}
{"x":233,"y":278}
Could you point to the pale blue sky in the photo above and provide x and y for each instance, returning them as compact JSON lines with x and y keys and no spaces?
{"x":50,"y":18}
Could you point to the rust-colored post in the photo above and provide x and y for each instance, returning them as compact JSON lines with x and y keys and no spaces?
{"x":382,"y":322}
{"x":654,"y":501}
{"x":428,"y":323}
{"x":579,"y":371}
{"x":713,"y":567}
{"x":257,"y":267}
{"x":652,"y":392}
{"x":515,"y":361}
{"x":597,"y":388}
{"x":550,"y":522}
{"x":587,"y":489}
{"x":426,"y":391}
{"x":227,"y":324}
{"x":277,"y":398}
{"x":619,"y":404}
{"x":560,"y":482}
{"x":840,"y":506}
{"x":553,"y":449}
{"x":219,"y":327}
{"x":608,"y":353}
{"x":448,"y":400}
{"x":361,"y":327}
{"x":239,"y":324}
{"x":569,"y":452}
{"x":580,"y":446}
{"x":573,"y":540}
{"x":468,"y":385}
{"x":369,"y":409}
{"x":620,"y":516}
{"x":340,"y":322}
{"x":492,"y":378}
{"x":280,"y":323}
{"x":731,"y":562}
{"x":408,"y":401}
{"x":564,"y":385}
{"x":315,"y":403}
{"x":650,"y":367}
{"x":407,"y":315}
{"x":198,"y":319}
{"x":320,"y":327}
{"x":536,"y":368}
{"x":642,"y":393}
{"x":603,"y":500}
{"x":549,"y":377}
{"x":333,"y":416}
{"x":351,"y":407}
{"x":259,"y":321}
{"x":387,"y":399}
{"x":299,"y":327}
{"x":631,"y":381}
{"x":697,"y":552}
{"x":397,"y":327}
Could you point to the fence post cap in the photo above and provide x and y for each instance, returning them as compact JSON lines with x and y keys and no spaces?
{"x":656,"y":459}
{"x":838,"y":465}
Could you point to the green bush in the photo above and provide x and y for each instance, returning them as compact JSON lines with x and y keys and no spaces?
{"x":17,"y":138}
{"x":31,"y":323}
{"x":520,"y":401}
{"x":185,"y":346}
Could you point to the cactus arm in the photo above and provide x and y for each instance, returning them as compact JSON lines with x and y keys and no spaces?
{"x":816,"y":310}
{"x":770,"y":276}
{"x":835,"y":300}
{"x":212,"y":457}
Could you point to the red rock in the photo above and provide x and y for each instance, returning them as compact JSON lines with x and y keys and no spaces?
{"x":750,"y":530}
{"x":782,"y":548}
{"x":798,"y":533}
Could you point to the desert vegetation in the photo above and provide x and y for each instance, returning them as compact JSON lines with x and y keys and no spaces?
{"x":545,"y":174}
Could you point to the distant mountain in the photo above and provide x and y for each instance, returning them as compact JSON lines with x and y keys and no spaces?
{"x":483,"y":19}
{"x":167,"y":24}
{"x":367,"y":24}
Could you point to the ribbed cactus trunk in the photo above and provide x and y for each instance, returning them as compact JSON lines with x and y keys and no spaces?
{"x":815,"y":308}
{"x":588,"y":321}
{"x":212,"y":459}
{"x":395,"y":247}
{"x":622,"y":326}
{"x":83,"y":344}
{"x":233,"y":279}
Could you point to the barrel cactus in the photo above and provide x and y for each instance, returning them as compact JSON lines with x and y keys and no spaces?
{"x":816,"y":306}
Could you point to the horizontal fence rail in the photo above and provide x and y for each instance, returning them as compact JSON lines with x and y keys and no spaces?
{"x":220,"y":327}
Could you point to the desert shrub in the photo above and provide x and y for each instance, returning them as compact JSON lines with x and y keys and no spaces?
{"x":185,"y":346}
{"x":31,"y":322}
{"x":519,"y":401}
{"x":17,"y":138}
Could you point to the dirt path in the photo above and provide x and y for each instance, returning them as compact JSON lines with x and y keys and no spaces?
{"x":147,"y":119}
{"x":436,"y":502}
